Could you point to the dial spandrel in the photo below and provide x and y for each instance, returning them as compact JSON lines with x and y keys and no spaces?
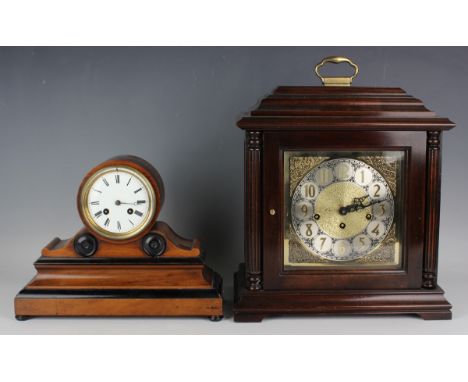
{"x":342,"y":209}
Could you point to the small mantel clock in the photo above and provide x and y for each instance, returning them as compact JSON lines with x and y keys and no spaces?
{"x":123,"y":262}
{"x":342,"y":195}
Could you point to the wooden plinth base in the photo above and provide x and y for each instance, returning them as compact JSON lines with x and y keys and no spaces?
{"x":253,"y":306}
{"x":107,"y":303}
{"x":122,"y":280}
{"x":77,"y":291}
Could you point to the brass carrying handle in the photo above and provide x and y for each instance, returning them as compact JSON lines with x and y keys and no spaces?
{"x":336,"y":81}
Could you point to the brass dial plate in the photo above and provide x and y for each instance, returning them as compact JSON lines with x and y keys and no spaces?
{"x":342,"y":209}
{"x":327,"y":206}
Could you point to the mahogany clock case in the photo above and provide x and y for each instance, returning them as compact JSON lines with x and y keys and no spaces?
{"x":340,"y":119}
{"x":153,"y":273}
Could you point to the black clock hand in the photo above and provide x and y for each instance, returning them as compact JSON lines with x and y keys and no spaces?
{"x":352,"y":207}
{"x":357,"y":206}
{"x":118,"y":203}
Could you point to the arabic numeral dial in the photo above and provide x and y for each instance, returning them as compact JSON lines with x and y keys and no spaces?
{"x":342,"y":209}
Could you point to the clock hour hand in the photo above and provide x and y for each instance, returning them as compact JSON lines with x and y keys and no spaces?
{"x":138,"y":202}
{"x":118,"y":203}
{"x":357,"y":206}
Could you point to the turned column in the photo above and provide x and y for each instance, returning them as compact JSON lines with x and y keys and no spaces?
{"x":432,"y":209}
{"x":253,"y":219}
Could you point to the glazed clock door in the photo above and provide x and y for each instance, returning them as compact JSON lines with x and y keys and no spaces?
{"x":343,"y":209}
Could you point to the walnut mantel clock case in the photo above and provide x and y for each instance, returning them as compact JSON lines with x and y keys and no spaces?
{"x":342,"y":195}
{"x":123,"y":262}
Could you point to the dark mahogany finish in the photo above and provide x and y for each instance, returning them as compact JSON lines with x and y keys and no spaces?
{"x":340,"y":119}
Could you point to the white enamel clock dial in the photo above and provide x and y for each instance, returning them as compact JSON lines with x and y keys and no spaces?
{"x":342,"y":209}
{"x":118,"y":202}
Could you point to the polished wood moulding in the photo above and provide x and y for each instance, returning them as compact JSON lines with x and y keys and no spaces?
{"x":254,"y":305}
{"x":122,"y":280}
{"x":120,"y":303}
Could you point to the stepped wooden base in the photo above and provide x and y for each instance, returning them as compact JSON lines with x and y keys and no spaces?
{"x":122,"y":281}
{"x":253,"y":306}
{"x":107,"y":303}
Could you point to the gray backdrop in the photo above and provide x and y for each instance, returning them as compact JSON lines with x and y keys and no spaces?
{"x":64,"y":110}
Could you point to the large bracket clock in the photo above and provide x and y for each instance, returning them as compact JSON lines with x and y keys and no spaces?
{"x":123,"y":262}
{"x":342,"y":194}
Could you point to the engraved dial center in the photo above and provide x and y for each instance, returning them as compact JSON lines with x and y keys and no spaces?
{"x":328,"y":205}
